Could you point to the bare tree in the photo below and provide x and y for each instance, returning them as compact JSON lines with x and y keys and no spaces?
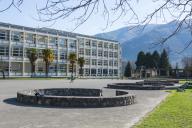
{"x":187,"y":63}
{"x":82,"y":10}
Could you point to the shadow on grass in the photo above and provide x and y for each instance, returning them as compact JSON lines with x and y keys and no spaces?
{"x":13,"y":101}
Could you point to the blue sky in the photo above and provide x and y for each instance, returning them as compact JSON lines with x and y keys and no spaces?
{"x":96,"y":24}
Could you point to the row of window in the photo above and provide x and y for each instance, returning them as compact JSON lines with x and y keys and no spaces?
{"x":101,"y":62}
{"x":94,"y":43}
{"x":111,"y":72}
{"x":62,"y":68}
{"x":33,"y":39}
{"x":18,"y":51}
{"x":53,"y":41}
{"x":94,"y":52}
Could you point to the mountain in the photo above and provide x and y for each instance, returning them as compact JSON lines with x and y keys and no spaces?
{"x":134,"y":39}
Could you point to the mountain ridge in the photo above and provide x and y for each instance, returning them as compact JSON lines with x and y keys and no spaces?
{"x":134,"y":40}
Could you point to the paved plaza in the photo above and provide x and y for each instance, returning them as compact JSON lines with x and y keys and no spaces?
{"x":14,"y":115}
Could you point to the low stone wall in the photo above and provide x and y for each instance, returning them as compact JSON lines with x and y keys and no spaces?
{"x":70,"y":92}
{"x":82,"y":98}
{"x":134,"y":86}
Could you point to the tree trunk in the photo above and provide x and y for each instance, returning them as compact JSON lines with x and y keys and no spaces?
{"x":47,"y":69}
{"x":72,"y":69}
{"x":3,"y":73}
{"x":81,"y":71}
{"x":32,"y":69}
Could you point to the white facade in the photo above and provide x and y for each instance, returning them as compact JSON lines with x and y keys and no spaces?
{"x":102,"y":57}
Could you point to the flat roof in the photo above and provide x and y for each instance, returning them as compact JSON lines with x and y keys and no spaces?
{"x":52,"y":31}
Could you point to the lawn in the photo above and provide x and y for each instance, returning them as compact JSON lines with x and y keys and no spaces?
{"x":174,"y":112}
{"x":184,"y":81}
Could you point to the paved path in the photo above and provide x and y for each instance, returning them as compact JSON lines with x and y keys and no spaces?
{"x":13,"y":115}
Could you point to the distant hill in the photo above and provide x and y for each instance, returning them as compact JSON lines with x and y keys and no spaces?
{"x":137,"y":39}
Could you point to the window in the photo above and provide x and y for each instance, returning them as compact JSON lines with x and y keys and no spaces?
{"x":99,"y":72}
{"x":17,"y":36}
{"x":4,"y":51}
{"x":81,"y":42}
{"x":40,"y":53}
{"x":105,"y":45}
{"x":99,"y":62}
{"x":63,"y":55}
{"x":87,"y":72}
{"x":63,"y":42}
{"x":87,"y":42}
{"x":30,"y":38}
{"x":81,"y":51}
{"x":55,"y":54}
{"x":17,"y":51}
{"x":100,"y":44}
{"x":4,"y":35}
{"x":40,"y":68}
{"x":62,"y":68}
{"x":87,"y":52}
{"x":93,"y":72}
{"x":72,"y":43}
{"x":111,"y":46}
{"x":94,"y":62}
{"x":105,"y":53}
{"x":116,"y":46}
{"x":105,"y":62}
{"x":115,"y":63}
{"x":16,"y":67}
{"x":87,"y":61}
{"x":94,"y":52}
{"x":111,"y":72}
{"x":115,"y":72}
{"x":111,"y":54}
{"x":100,"y":53}
{"x":42,"y":40}
{"x":53,"y":68}
{"x":115,"y":55}
{"x":53,"y":41}
{"x":110,"y":63}
{"x":105,"y":72}
{"x":94,"y":43}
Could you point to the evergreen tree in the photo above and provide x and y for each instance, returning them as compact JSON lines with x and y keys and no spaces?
{"x":164,"y":63}
{"x":128,"y":70}
{"x":156,"y":59}
{"x":140,"y":59}
{"x":148,"y":60}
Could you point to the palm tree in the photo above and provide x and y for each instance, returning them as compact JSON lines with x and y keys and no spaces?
{"x":32,"y":55}
{"x":72,"y":59}
{"x":81,"y":63}
{"x":48,"y":57}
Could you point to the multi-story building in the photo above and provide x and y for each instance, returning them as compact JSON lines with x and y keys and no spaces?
{"x":102,"y":57}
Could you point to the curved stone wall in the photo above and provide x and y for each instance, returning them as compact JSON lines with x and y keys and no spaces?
{"x":135,"y":86}
{"x":74,"y":97}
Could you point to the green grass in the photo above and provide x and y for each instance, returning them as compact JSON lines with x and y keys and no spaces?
{"x":174,"y":112}
{"x":184,"y":81}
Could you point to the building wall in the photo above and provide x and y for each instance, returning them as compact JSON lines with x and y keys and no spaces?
{"x":102,"y":57}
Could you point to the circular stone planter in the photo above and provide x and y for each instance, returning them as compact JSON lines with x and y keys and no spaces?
{"x":74,"y":97}
{"x":135,"y":86}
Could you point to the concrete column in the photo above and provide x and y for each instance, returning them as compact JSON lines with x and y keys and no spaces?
{"x":67,"y":73}
{"x":10,"y":53}
{"x":58,"y":56}
{"x":76,"y":69}
{"x":23,"y":65}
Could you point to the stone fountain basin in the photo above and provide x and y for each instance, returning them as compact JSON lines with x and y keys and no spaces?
{"x":74,"y":97}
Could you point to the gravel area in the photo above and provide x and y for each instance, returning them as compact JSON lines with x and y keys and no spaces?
{"x":14,"y":115}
